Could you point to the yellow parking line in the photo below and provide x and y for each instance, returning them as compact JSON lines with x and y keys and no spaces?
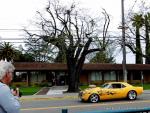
{"x":80,"y":106}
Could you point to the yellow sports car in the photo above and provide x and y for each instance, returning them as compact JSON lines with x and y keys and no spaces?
{"x":111,"y":90}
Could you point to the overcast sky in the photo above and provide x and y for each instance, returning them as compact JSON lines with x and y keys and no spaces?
{"x":16,"y":14}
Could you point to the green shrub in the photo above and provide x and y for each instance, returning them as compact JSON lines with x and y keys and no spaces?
{"x":19,"y":84}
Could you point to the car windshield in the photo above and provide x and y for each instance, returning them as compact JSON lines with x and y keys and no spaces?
{"x":105,"y":86}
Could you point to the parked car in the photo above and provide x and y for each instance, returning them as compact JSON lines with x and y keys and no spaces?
{"x":111,"y":90}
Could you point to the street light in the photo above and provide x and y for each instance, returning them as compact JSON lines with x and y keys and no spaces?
{"x":123,"y":43}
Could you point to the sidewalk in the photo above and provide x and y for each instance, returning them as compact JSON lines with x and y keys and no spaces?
{"x":54,"y":90}
{"x":57,"y":92}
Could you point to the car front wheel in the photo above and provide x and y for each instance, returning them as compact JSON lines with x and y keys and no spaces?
{"x":94,"y":98}
{"x":132,"y":95}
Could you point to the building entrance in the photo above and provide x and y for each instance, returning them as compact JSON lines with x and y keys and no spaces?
{"x":60,"y":79}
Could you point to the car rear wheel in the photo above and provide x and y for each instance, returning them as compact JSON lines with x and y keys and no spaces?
{"x":132,"y":95}
{"x":94,"y":98}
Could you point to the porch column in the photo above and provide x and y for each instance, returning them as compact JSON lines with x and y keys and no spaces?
{"x":116,"y":76}
{"x":102,"y":76}
{"x":131,"y":77}
{"x":28,"y":78}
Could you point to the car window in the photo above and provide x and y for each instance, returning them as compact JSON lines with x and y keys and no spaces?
{"x":106,"y":86}
{"x":118,"y":86}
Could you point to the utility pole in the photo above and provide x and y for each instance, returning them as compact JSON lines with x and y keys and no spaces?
{"x":123,"y":43}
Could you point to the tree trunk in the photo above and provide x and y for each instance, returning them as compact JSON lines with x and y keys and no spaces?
{"x":139,"y":59}
{"x":147,"y":48}
{"x":72,"y":69}
{"x":73,"y":79}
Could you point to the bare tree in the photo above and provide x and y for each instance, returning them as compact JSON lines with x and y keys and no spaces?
{"x":73,"y":34}
{"x":39,"y":49}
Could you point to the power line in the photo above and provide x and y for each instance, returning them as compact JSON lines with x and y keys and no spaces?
{"x":15,"y":42}
{"x":3,"y":29}
{"x":14,"y":29}
{"x":115,"y":37}
{"x":12,"y":38}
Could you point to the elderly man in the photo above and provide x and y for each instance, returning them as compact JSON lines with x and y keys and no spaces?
{"x":8,"y":100}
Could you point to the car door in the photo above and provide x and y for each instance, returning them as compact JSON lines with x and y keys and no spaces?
{"x":106,"y":93}
{"x":117,"y":91}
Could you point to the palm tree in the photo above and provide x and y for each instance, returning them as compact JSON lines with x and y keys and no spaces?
{"x":138,"y":23}
{"x":147,"y":40}
{"x":7,"y":51}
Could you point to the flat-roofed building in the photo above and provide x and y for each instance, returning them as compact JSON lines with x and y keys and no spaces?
{"x":56,"y":73}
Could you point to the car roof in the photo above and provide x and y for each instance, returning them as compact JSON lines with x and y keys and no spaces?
{"x":125,"y":83}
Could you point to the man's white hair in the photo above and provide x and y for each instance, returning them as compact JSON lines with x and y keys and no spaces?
{"x":5,"y":67}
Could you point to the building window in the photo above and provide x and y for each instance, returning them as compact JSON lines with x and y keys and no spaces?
{"x":95,"y":76}
{"x":137,"y":76}
{"x":110,"y":75}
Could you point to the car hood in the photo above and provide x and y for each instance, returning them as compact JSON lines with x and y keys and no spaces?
{"x":91,"y":89}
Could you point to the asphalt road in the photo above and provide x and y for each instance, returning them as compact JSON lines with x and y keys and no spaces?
{"x":73,"y":105}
